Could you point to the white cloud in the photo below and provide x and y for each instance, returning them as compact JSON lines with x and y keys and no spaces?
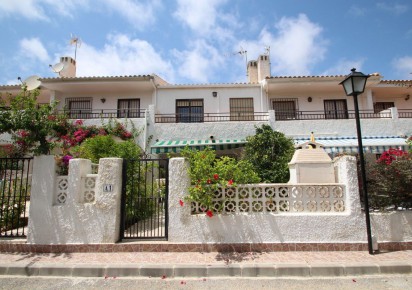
{"x":295,"y":46}
{"x":403,"y":67}
{"x":343,"y":67}
{"x":357,"y":11}
{"x":393,"y":8}
{"x":40,"y":9}
{"x":138,"y":13}
{"x":26,"y":8}
{"x":33,"y":48}
{"x":121,"y":56}
{"x":200,"y":63}
{"x":200,"y":16}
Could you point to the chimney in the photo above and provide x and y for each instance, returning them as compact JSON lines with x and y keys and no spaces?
{"x":263,"y":67}
{"x":252,"y":72}
{"x":69,"y":70}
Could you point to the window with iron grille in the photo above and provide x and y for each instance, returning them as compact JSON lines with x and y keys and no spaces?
{"x":241,"y":109}
{"x":381,"y":106}
{"x":79,"y":108}
{"x":189,"y":111}
{"x":336,"y":109}
{"x":285,"y":109}
{"x":128,"y":108}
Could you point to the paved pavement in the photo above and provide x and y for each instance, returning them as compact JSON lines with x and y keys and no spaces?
{"x":206,"y":264}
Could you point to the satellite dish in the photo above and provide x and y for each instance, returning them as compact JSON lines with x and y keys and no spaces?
{"x":32,"y":82}
{"x":58,"y":67}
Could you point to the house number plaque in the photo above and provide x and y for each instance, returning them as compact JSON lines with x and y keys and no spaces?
{"x":107,"y":187}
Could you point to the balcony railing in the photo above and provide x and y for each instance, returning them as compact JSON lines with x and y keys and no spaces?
{"x":404,"y":113}
{"x":327,"y":115}
{"x":103,"y":114}
{"x":211,"y":117}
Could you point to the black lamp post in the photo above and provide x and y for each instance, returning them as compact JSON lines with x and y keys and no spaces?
{"x":354,"y":84}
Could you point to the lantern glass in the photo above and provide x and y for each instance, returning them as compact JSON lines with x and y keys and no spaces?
{"x":354,"y":83}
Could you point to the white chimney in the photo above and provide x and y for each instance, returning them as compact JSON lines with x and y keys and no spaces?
{"x":69,"y":70}
{"x":263,"y":67}
{"x":252,"y":73}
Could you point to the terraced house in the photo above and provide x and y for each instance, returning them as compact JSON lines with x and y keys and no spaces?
{"x":172,"y":116}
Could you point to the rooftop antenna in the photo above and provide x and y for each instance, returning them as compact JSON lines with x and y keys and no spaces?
{"x":241,"y":52}
{"x":267,"y":52}
{"x":77,"y":42}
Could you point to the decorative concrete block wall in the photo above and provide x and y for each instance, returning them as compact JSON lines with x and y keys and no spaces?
{"x":82,"y":208}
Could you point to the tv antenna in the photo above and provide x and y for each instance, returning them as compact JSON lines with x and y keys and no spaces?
{"x":30,"y":83}
{"x":77,"y":42}
{"x":243,"y":53}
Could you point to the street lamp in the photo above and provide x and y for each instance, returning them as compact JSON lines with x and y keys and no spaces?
{"x":354,"y":84}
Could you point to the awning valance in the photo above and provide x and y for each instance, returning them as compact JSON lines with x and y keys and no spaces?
{"x":176,"y":146}
{"x":333,"y":145}
{"x":371,"y":144}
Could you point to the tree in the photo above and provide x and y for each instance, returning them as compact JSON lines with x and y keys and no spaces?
{"x":28,"y":123}
{"x":270,"y":152}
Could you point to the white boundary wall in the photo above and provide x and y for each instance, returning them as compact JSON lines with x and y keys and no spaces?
{"x":74,"y":221}
{"x":80,"y":220}
{"x":346,"y":227}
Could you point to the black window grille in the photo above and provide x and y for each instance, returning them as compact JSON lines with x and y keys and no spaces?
{"x":79,"y":108}
{"x":128,"y":108}
{"x":336,"y":109}
{"x":285,"y":109}
{"x":241,"y":109}
{"x":189,"y":111}
{"x":381,"y":106}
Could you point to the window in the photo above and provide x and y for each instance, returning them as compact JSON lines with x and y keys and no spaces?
{"x":79,"y":108}
{"x":241,"y":109}
{"x":128,"y":108}
{"x":336,"y":109}
{"x":189,"y":111}
{"x":380,"y":106}
{"x":285,"y":109}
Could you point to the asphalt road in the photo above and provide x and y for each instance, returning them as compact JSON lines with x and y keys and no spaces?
{"x":360,"y":282}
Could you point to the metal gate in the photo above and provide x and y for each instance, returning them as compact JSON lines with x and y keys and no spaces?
{"x":145,"y":199}
{"x":15,"y":185}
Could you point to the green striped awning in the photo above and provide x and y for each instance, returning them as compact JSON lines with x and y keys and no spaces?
{"x":167,"y":146}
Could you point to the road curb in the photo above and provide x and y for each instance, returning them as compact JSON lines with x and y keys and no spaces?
{"x":200,"y":271}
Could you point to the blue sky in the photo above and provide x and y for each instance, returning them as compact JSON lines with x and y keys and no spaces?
{"x":197,"y":41}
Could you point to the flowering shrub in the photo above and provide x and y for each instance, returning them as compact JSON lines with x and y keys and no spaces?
{"x":209,"y":173}
{"x":391,"y":155}
{"x":390,"y":180}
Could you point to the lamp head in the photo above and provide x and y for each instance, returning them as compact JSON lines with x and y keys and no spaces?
{"x":354,"y":83}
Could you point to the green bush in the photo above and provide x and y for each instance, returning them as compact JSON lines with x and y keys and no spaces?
{"x":208,"y":173}
{"x":269,"y":152}
{"x":105,"y":146}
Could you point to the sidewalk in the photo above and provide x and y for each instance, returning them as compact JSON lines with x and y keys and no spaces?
{"x":207,"y":264}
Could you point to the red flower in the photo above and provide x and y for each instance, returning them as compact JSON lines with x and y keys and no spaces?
{"x":216,"y":176}
{"x":230,"y":182}
{"x":78,"y":122}
{"x":181,"y":202}
{"x":209,"y":181}
{"x":209,"y":213}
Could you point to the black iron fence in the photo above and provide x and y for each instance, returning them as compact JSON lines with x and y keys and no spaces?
{"x":145,"y":199}
{"x":103,"y":114}
{"x":211,"y":117}
{"x":15,"y":185}
{"x":404,"y":113}
{"x":327,"y":115}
